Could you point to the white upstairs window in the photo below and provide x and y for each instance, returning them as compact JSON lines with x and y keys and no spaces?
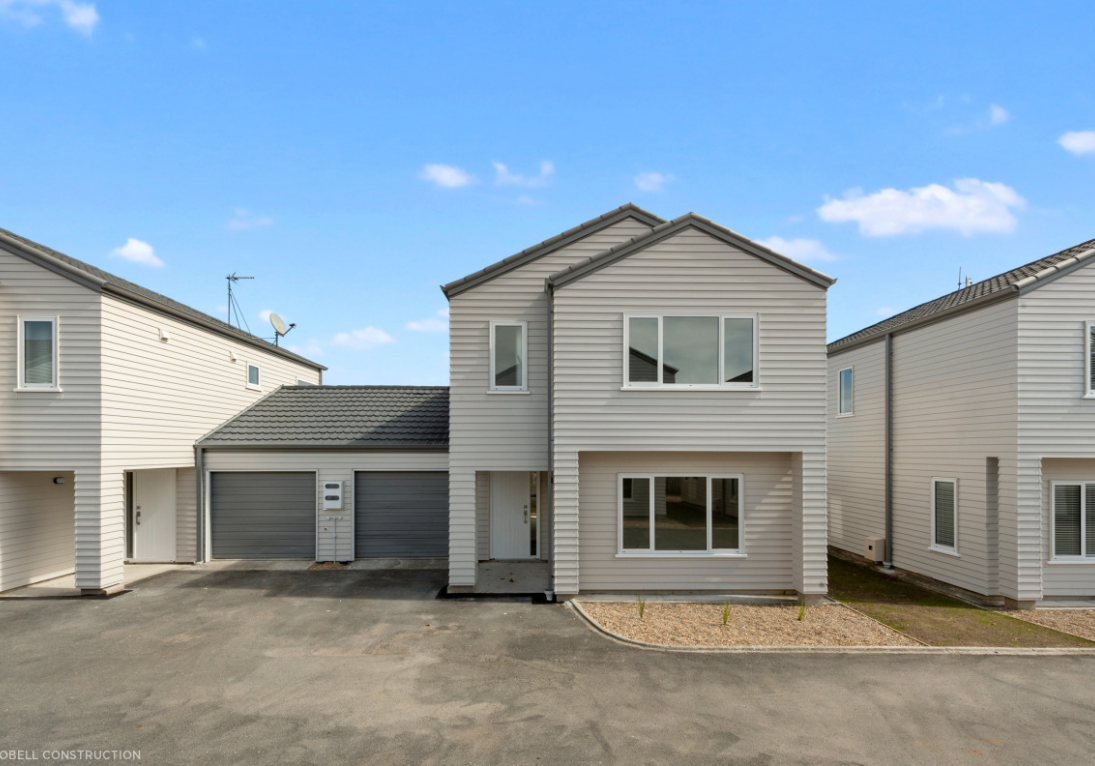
{"x":690,"y":351}
{"x":37,"y":364}
{"x":1089,"y":359}
{"x":1073,"y":520}
{"x":508,"y":357}
{"x":845,"y":392}
{"x":254,"y":377}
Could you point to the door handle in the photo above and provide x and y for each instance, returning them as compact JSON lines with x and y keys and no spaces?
{"x":138,"y":518}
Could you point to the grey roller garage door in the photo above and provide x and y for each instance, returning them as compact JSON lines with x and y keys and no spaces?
{"x":401,"y":513}
{"x":263,"y":515}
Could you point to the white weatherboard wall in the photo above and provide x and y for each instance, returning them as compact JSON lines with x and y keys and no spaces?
{"x":36,"y":529}
{"x":693,"y":273}
{"x":502,"y":432}
{"x":1056,"y":424}
{"x":955,"y":400}
{"x":767,"y":521}
{"x":1064,"y":578}
{"x":857,"y":449}
{"x":330,"y":465}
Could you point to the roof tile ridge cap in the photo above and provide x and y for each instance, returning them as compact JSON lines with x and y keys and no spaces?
{"x":1053,"y":269}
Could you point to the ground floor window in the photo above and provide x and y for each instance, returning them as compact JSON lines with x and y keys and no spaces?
{"x":1073,"y":520}
{"x":680,"y":513}
{"x":945,"y":515}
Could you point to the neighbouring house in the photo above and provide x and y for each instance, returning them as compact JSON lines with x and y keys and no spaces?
{"x":640,"y":403}
{"x":331,"y":473}
{"x":962,"y":435}
{"x":107,"y":387}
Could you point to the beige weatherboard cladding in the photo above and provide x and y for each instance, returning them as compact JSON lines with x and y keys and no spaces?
{"x":138,"y":386}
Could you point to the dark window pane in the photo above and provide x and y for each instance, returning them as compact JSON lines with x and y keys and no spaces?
{"x":680,"y":513}
{"x":642,"y":358}
{"x":725,"y":525}
{"x":253,"y":375}
{"x":944,"y":514}
{"x":509,"y":368}
{"x":637,"y":515}
{"x":1066,"y":519}
{"x":38,"y":353}
{"x":738,"y":350}
{"x":691,"y":347}
{"x":1091,"y":362}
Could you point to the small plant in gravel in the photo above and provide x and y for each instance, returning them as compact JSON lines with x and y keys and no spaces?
{"x":801,"y":611}
{"x":726,"y":613}
{"x":642,"y":605}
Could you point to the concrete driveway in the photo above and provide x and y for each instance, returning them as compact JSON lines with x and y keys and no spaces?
{"x":197,"y":666}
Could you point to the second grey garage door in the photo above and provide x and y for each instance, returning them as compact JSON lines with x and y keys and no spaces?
{"x":401,"y":513}
{"x":263,"y":515}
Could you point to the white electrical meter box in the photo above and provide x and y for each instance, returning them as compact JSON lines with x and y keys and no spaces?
{"x":332,"y":495}
{"x":874,"y":549}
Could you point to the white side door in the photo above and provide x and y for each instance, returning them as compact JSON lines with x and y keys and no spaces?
{"x":154,"y":515}
{"x":510,"y":529}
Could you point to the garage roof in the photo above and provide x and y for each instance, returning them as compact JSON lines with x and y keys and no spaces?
{"x":376,"y":417}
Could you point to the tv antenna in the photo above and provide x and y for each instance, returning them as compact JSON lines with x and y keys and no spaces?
{"x":280,"y":329}
{"x":233,"y":304}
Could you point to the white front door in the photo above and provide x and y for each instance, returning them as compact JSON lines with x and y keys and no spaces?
{"x":154,"y":515}
{"x":511,"y":521}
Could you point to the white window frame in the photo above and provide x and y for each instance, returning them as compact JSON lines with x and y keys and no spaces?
{"x":839,"y":390}
{"x":1084,"y":557}
{"x":20,"y":368}
{"x":253,"y":386}
{"x":523,"y":388}
{"x":720,"y":386}
{"x":1089,"y":390}
{"x":952,"y":551}
{"x":651,"y":552}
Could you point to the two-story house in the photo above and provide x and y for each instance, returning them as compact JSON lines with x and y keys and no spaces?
{"x":107,"y":385}
{"x":962,"y":435}
{"x":641,"y":403}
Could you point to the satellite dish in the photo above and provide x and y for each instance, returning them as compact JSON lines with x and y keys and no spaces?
{"x":279,"y":325}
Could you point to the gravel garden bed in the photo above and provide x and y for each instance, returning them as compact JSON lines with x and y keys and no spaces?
{"x":1078,"y":622}
{"x":684,"y":624}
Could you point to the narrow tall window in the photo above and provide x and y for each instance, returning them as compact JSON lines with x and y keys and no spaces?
{"x":945,"y":515}
{"x":1089,"y":358}
{"x":1073,"y":520}
{"x":254,"y":376}
{"x":845,"y":391}
{"x":508,"y":356}
{"x":37,"y":354}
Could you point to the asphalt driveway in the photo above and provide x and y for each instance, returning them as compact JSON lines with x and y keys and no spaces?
{"x":201,"y":667}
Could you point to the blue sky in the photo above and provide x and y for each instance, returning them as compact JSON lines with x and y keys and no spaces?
{"x":347,"y":155}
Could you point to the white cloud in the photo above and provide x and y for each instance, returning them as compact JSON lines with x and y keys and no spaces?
{"x":884,"y":312}
{"x":138,"y":252}
{"x":309,"y":349}
{"x":445,"y":176}
{"x":998,"y":115}
{"x":244,"y":221}
{"x":1078,"y":142}
{"x":804,"y":250}
{"x":972,"y":206}
{"x":77,"y":15}
{"x":439,"y":323}
{"x":362,"y":340}
{"x":264,"y":315}
{"x":652,"y":182}
{"x":503,"y":177}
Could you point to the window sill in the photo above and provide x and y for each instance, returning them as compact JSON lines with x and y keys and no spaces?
{"x":508,"y":393}
{"x":1088,"y":396}
{"x":253,"y":388}
{"x":744,"y":389}
{"x":846,"y":415}
{"x":682,"y":555}
{"x":1081,"y":560}
{"x":54,"y":390}
{"x":946,"y":551}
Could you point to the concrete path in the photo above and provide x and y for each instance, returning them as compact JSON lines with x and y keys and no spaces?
{"x":212,"y":667}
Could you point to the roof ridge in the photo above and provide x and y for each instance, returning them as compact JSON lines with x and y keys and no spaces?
{"x":577,"y":270}
{"x":535,"y":251}
{"x":970,"y":296}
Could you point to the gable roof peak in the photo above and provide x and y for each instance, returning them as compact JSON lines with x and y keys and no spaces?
{"x":529,"y":254}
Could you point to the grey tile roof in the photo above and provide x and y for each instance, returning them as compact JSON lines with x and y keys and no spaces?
{"x":968,"y":298}
{"x":341,"y":416}
{"x":548,"y":245}
{"x":112,"y":283}
{"x":669,"y":228}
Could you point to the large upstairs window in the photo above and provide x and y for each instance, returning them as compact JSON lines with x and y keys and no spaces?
{"x":683,"y":351}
